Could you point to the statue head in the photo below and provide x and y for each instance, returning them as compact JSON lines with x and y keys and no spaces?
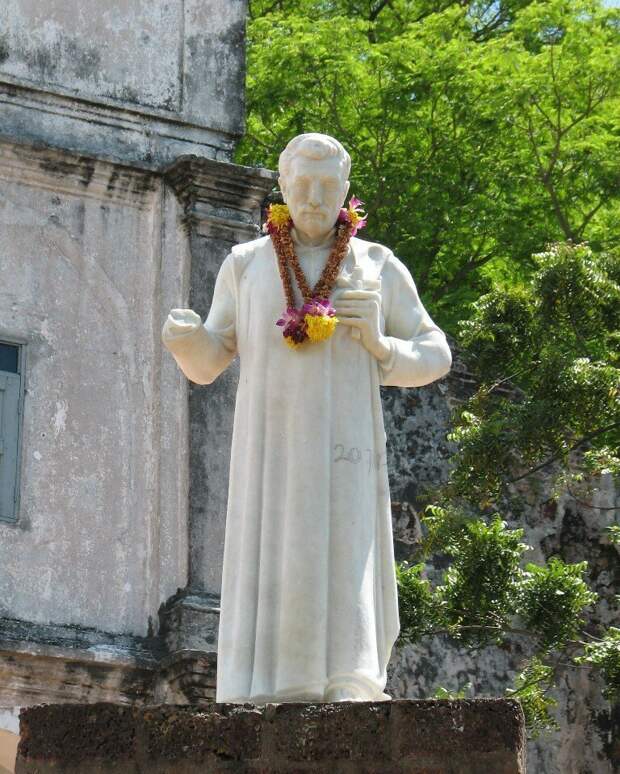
{"x":314,"y":180}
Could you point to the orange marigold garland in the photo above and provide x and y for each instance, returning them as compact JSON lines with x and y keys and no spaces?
{"x":316,"y":319}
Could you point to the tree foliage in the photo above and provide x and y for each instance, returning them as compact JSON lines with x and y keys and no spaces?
{"x":553,"y":342}
{"x":479,"y":131}
{"x":556,"y":338}
{"x":487,"y":596}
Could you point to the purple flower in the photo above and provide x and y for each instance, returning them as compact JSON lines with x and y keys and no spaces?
{"x":294,"y":324}
{"x":319,"y":307}
{"x":353,"y":215}
{"x":289,"y":317}
{"x":360,"y":224}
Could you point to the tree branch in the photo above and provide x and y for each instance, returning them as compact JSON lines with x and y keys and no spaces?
{"x":555,"y":457}
{"x":589,"y":505}
{"x":374,"y":12}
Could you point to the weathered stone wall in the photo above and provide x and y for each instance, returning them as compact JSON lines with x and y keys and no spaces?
{"x":400,"y":737}
{"x":417,"y":421}
{"x":95,"y":254}
{"x":117,"y":199}
{"x":99,"y":539}
{"x":133,"y":80}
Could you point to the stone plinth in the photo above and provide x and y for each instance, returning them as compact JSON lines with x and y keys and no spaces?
{"x":484,"y":736}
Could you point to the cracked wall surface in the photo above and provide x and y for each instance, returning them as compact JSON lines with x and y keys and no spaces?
{"x":179,"y":56}
{"x":99,"y":537}
{"x":139,"y":81}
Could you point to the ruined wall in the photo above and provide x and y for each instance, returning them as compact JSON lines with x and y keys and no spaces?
{"x":137,"y":80}
{"x":418,"y":454}
{"x":161,"y":54}
{"x":117,"y":125}
{"x":100,"y":536}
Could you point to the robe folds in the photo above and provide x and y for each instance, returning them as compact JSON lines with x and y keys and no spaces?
{"x":309,"y":597}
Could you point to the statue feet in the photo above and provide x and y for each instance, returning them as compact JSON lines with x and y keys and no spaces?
{"x":344,"y":693}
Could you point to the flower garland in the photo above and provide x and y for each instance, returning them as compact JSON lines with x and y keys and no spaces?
{"x":316,"y":319}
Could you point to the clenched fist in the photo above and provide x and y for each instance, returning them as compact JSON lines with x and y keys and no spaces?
{"x":180,"y":322}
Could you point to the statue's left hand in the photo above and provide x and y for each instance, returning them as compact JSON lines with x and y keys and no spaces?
{"x":361,"y":309}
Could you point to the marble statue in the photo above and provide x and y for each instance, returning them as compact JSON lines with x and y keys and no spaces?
{"x":309,"y":608}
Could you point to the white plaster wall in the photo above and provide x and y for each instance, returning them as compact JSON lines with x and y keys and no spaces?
{"x":101,"y":535}
{"x":124,"y":49}
{"x":182,"y":57}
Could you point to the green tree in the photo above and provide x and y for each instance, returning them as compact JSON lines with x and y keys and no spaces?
{"x":557,"y":338}
{"x":555,"y":341}
{"x":479,"y":132}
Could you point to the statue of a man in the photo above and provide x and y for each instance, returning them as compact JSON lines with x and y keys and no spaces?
{"x":309,"y":608}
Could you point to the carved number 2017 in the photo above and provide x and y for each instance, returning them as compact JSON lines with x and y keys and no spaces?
{"x":354,"y":454}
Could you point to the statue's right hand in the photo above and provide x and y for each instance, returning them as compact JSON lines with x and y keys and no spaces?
{"x":179,"y":322}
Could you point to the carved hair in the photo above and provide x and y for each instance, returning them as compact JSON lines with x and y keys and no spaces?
{"x":314,"y":146}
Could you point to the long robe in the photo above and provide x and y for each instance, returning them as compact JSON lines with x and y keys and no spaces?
{"x":309,"y":597}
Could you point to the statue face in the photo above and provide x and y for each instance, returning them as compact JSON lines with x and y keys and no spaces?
{"x":314,"y":190}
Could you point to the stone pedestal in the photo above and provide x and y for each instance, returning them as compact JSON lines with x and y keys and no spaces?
{"x":484,"y":736}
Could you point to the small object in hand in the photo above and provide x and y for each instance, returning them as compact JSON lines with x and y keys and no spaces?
{"x":359,"y":283}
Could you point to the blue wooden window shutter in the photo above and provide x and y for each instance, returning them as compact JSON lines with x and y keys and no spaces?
{"x":10,"y":394}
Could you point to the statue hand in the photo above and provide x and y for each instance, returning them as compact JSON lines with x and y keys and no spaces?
{"x":361,"y":309}
{"x":180,"y":322}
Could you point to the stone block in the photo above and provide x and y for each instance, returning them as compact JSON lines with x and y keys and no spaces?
{"x":484,"y":736}
{"x":319,"y":732}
